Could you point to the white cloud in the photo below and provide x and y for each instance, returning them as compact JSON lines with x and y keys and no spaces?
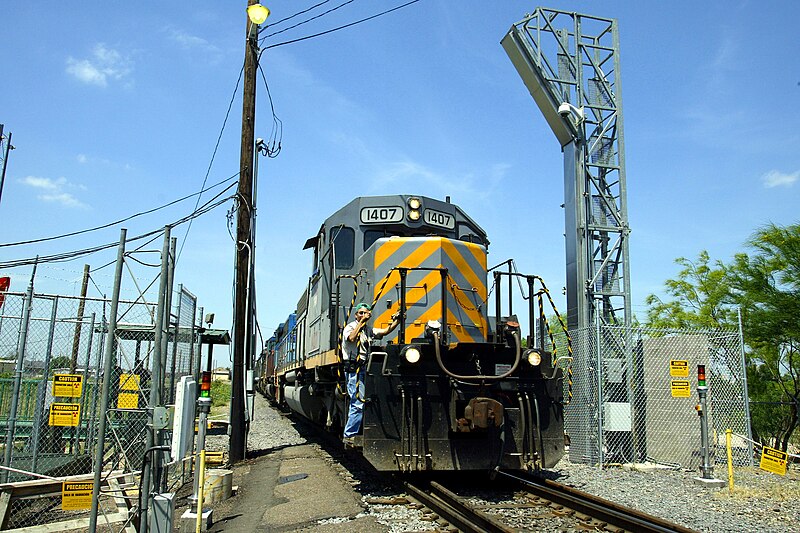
{"x":82,"y":158}
{"x":775,"y":178}
{"x":194,"y":43}
{"x":55,"y":191}
{"x":104,"y":65}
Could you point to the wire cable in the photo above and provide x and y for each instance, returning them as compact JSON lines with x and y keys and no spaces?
{"x":340,"y":27}
{"x":315,"y":17}
{"x":273,"y":146}
{"x":299,"y":13}
{"x":67,"y":256}
{"x":213,"y":156}
{"x":110,"y":224}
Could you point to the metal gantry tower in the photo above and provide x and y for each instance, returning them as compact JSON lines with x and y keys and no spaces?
{"x":570,"y":64}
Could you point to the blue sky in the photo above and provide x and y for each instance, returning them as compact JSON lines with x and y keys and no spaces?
{"x":117,"y":112}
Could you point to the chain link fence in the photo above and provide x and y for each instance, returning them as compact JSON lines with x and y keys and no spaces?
{"x":634,"y":393}
{"x":52,"y":366}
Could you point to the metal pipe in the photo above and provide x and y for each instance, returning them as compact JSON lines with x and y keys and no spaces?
{"x":707,"y":468}
{"x":109,"y":364}
{"x":743,"y":360}
{"x":401,"y":336}
{"x":538,"y":427}
{"x":498,"y":312}
{"x":481,"y":377}
{"x":531,"y":315}
{"x":402,"y":429}
{"x":85,"y":392}
{"x":23,"y":338}
{"x":445,"y":330}
{"x":420,"y":451}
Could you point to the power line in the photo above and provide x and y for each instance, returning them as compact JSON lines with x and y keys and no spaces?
{"x":299,"y":13}
{"x":141,"y":213}
{"x":341,"y":27}
{"x":67,"y":256}
{"x":315,"y":17}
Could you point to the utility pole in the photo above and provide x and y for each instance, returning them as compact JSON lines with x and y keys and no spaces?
{"x":244,"y":246}
{"x":5,"y":158}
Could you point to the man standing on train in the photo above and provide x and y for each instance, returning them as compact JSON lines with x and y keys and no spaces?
{"x":356,"y":340}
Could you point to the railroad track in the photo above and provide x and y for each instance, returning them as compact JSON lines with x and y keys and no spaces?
{"x":594,"y":512}
{"x":540,"y":505}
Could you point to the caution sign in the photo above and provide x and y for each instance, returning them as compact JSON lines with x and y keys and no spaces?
{"x":65,"y":414}
{"x":679,"y":368}
{"x":129,"y":382}
{"x":774,"y":461}
{"x":128,"y":400}
{"x":67,"y":385}
{"x":76,"y":495}
{"x":680,"y":388}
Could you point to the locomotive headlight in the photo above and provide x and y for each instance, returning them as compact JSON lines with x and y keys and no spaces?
{"x":411,"y":353}
{"x":413,"y":215}
{"x":414,"y":203}
{"x":533,"y":357}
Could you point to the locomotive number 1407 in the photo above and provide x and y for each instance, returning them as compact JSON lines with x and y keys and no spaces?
{"x":381,"y":215}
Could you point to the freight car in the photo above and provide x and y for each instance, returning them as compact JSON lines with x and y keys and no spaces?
{"x":453,"y":387}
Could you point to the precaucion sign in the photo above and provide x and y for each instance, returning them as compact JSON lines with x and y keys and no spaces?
{"x":680,"y":388}
{"x":76,"y":495}
{"x":65,"y":414}
{"x":773,"y":460}
{"x":679,"y":368}
{"x":67,"y":385}
{"x":128,"y":391}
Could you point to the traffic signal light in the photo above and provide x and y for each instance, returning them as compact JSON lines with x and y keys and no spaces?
{"x":701,"y":375}
{"x":205,"y":385}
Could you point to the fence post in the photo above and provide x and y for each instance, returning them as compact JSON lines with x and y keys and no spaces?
{"x":41,"y":393}
{"x":107,"y":369}
{"x":155,"y":384}
{"x":23,"y":338}
{"x":599,"y":371}
{"x":747,"y":424}
{"x":85,"y":393}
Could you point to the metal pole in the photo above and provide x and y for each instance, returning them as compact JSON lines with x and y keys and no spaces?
{"x":204,"y":407}
{"x":167,"y":319}
{"x":599,"y":371}
{"x":85,"y":391}
{"x":23,"y":338}
{"x":747,"y":424}
{"x":5,"y":160}
{"x":42,"y":389}
{"x":199,"y":354}
{"x":243,"y":245}
{"x":95,"y":390}
{"x":155,"y":380}
{"x":109,"y":359}
{"x":707,"y":469}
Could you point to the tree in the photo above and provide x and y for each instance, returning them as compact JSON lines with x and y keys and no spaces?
{"x":767,"y":285}
{"x":701,"y":298}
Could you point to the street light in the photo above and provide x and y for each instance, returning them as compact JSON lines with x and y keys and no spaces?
{"x":257,"y":13}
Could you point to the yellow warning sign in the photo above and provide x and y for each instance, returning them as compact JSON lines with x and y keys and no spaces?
{"x":128,"y":400}
{"x":65,"y":414}
{"x":679,"y":368}
{"x":76,"y":495}
{"x":129,"y":382}
{"x":67,"y":385}
{"x":680,"y":388}
{"x":773,"y":460}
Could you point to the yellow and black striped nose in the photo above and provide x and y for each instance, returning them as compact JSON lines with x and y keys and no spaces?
{"x":466,"y":285}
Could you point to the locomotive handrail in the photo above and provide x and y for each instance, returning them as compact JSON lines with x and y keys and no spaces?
{"x":480,"y":377}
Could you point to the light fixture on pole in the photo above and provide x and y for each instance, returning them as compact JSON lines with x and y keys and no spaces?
{"x":242,"y":315}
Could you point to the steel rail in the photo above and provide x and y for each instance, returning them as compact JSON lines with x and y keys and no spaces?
{"x":454,"y":509}
{"x":598,"y":508}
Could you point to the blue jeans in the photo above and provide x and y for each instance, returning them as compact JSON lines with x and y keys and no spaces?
{"x":355,"y":413}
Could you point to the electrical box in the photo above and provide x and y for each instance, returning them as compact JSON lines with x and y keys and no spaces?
{"x":162,"y":512}
{"x":162,"y":417}
{"x":617,"y":416}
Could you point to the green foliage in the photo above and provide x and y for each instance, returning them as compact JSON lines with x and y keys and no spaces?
{"x":220,"y":393}
{"x":700,"y":297}
{"x":60,"y":362}
{"x":766,"y":286}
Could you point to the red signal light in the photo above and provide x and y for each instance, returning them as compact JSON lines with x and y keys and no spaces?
{"x":701,"y":375}
{"x":205,"y":385}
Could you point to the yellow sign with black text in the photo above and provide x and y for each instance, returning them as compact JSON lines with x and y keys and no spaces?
{"x":679,"y":368}
{"x":65,"y":414}
{"x":67,"y":385}
{"x":774,"y":461}
{"x":680,"y":388}
{"x":76,"y":495}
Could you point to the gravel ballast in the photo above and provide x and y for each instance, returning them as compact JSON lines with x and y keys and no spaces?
{"x":761,"y":501}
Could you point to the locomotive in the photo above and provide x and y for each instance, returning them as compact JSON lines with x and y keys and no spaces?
{"x":455,"y":386}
